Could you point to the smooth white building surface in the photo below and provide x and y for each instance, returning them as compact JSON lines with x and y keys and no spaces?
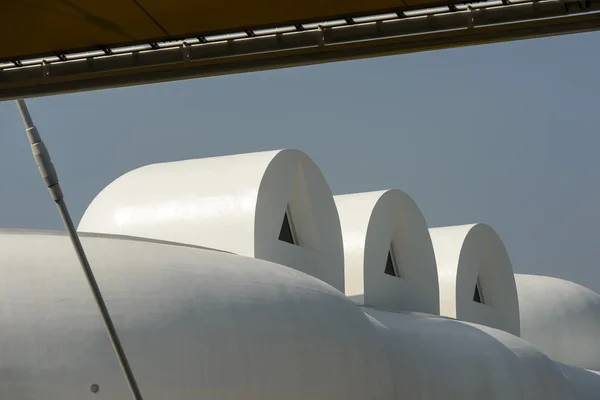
{"x":585,"y":382}
{"x":195,"y":324}
{"x":476,"y":278}
{"x":561,"y":318}
{"x":388,"y":255}
{"x":295,"y":312}
{"x":273,"y":205}
{"x":441,"y":358}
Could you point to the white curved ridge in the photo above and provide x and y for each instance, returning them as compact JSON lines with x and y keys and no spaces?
{"x":473,"y":258}
{"x":561,"y":318}
{"x":439,"y":358}
{"x":585,"y":382}
{"x":389,"y":259}
{"x":195,"y":324}
{"x":235,"y":203}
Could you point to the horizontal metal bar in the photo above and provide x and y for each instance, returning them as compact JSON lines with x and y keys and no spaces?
{"x":481,"y":14}
{"x":359,"y":40}
{"x":237,"y":35}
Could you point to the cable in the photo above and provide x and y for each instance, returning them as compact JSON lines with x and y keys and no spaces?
{"x":42,"y":158}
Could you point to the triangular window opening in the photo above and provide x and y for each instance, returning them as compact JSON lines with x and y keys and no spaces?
{"x":286,"y":234}
{"x":478,"y":296}
{"x":390,"y":265}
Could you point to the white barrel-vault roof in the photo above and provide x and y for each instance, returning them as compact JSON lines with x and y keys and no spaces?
{"x":477,"y":282}
{"x":561,"y":318}
{"x":273,"y":205}
{"x":194,"y":323}
{"x":389,"y":259}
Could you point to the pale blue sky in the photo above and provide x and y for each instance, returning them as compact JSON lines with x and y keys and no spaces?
{"x":504,"y":134}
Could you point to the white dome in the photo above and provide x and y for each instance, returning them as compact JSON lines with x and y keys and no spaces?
{"x":195,"y":324}
{"x":388,"y":254}
{"x":560,"y":318}
{"x":477,"y":282}
{"x":441,"y":358}
{"x":240,"y":203}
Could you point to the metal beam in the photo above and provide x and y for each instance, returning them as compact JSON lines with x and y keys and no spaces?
{"x":469,"y":25}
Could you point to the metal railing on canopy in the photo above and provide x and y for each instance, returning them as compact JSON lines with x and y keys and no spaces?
{"x":303,"y":44}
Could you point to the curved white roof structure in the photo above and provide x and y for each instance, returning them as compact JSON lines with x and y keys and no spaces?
{"x":561,"y":318}
{"x":476,"y":278}
{"x":585,"y":382}
{"x":194,"y":323}
{"x":273,"y":205}
{"x":440,"y":358}
{"x":271,"y":321}
{"x":388,"y":254}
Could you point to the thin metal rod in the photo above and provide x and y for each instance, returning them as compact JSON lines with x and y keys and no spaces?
{"x":50,"y":176}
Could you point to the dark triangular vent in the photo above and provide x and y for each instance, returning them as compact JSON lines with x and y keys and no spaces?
{"x":390,"y":269}
{"x":286,"y":234}
{"x":477,"y":297}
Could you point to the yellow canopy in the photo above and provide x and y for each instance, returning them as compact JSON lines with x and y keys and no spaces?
{"x":30,"y":28}
{"x":62,"y":28}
